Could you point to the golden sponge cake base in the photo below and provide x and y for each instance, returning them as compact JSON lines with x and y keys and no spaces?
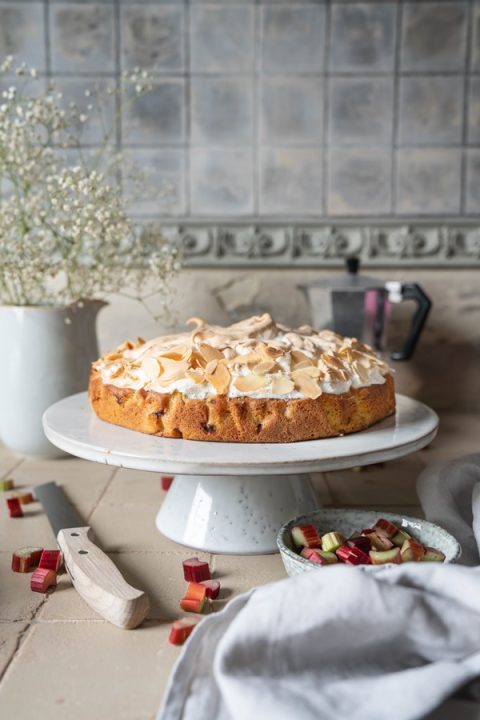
{"x":243,"y":419}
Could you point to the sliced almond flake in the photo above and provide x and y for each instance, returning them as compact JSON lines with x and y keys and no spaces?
{"x":151,"y":368}
{"x":251,"y":358}
{"x":210,"y":353}
{"x":140,"y":341}
{"x":307,"y":385}
{"x":220,"y":378}
{"x":302,"y":364}
{"x":332,"y":361}
{"x":250,"y":383}
{"x":126,"y":345}
{"x":282,"y":386}
{"x":197,"y":360}
{"x":111,"y":357}
{"x":272,"y":351}
{"x":210,"y":367}
{"x":172,"y":370}
{"x":312,"y":371}
{"x":175,"y":353}
{"x":116,"y":373}
{"x":298,"y":356}
{"x":197,"y":376}
{"x":265,"y":367}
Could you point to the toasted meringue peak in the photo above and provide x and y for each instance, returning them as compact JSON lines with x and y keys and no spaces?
{"x":255,"y":357}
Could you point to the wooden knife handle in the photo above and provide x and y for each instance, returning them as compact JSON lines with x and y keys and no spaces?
{"x":99,"y":582}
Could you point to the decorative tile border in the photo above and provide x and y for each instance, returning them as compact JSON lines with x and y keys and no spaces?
{"x":274,"y":245}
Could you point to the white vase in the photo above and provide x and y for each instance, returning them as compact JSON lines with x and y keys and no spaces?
{"x":45,"y":355}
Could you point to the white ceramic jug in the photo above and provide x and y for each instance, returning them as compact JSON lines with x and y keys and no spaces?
{"x":45,"y":355}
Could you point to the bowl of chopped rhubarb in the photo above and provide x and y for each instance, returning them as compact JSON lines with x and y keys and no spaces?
{"x":362,"y":538}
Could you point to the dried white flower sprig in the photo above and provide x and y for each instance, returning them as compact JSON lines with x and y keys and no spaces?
{"x":64,"y":231}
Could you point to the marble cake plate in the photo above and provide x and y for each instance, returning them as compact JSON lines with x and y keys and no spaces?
{"x":233,"y":497}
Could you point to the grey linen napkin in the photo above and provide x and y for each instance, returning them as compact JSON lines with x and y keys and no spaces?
{"x":340,"y":642}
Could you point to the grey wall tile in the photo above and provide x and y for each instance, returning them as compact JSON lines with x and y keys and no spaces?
{"x":82,"y":37}
{"x":475,"y":30}
{"x":362,"y":37}
{"x":292,"y":110}
{"x":153,"y":37}
{"x":474,"y":110}
{"x":99,"y":125}
{"x":428,"y":181}
{"x":359,"y":182}
{"x":434,"y":36}
{"x":360,"y":110}
{"x":472,"y":185}
{"x":293,"y":38}
{"x":157,"y":117}
{"x":22,"y":33}
{"x":221,"y":38}
{"x":291,"y":181}
{"x":161,"y":181}
{"x":430,"y":110}
{"x":221,"y":181}
{"x":222,"y":110}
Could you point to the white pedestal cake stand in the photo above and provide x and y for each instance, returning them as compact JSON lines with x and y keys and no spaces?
{"x":233,"y":497}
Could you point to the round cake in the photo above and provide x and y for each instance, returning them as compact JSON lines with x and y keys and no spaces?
{"x":254,"y":381}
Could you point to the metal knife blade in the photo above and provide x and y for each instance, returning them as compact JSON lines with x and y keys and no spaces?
{"x":91,"y":571}
{"x":61,"y":514}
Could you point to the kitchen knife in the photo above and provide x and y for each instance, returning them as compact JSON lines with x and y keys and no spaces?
{"x":93,"y":574}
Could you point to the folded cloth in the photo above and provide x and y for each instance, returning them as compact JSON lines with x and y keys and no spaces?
{"x":342,"y":642}
{"x":450,"y":497}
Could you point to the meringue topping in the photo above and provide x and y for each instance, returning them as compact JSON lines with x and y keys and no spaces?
{"x":255,"y":357}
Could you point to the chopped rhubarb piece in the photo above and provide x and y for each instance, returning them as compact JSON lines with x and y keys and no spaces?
{"x":387,"y":528}
{"x":25,"y":498}
{"x":412,"y":551}
{"x":26,"y":559}
{"x":195,"y":570}
{"x":51,"y":560}
{"x":6,"y":485}
{"x":213,"y":588}
{"x":314,"y":556}
{"x":352,"y":555}
{"x":194,"y":598}
{"x":42,"y":579}
{"x":332,"y":541}
{"x":362,"y":542}
{"x":181,"y":630}
{"x":400,"y":538}
{"x":380,"y":541}
{"x":385,"y":556}
{"x":306,"y":536}
{"x":433,"y":555}
{"x":14,"y":507}
{"x":166,"y":481}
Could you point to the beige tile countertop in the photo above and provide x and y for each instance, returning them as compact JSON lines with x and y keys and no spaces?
{"x":58,"y":659}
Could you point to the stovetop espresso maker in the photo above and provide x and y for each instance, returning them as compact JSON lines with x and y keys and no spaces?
{"x":358,"y":306}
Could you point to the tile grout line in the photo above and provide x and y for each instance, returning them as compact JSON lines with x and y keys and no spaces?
{"x":23,"y":637}
{"x":102,"y":494}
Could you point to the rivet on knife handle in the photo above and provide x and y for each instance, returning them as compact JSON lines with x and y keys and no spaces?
{"x":99,"y":581}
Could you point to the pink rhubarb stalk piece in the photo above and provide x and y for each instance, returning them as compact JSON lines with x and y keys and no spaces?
{"x":412,"y":551}
{"x":352,"y":555}
{"x":194,"y":599}
{"x":42,"y":579}
{"x":362,"y":542}
{"x":382,"y":557}
{"x":181,"y":630}
{"x":24,"y":559}
{"x":213,"y":588}
{"x":306,"y":536}
{"x":51,"y":560}
{"x":6,"y":484}
{"x":14,"y":508}
{"x":400,"y":538}
{"x":319,"y":557}
{"x":379,"y":541}
{"x":433,"y":555}
{"x":166,"y":481}
{"x":195,"y":570}
{"x":386,"y":527}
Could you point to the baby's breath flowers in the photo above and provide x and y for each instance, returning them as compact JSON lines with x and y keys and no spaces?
{"x":65,"y":234}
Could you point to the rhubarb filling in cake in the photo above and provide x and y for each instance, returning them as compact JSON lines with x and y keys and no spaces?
{"x":254,"y":381}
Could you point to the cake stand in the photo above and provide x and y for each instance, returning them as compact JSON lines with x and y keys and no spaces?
{"x":233,"y":497}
